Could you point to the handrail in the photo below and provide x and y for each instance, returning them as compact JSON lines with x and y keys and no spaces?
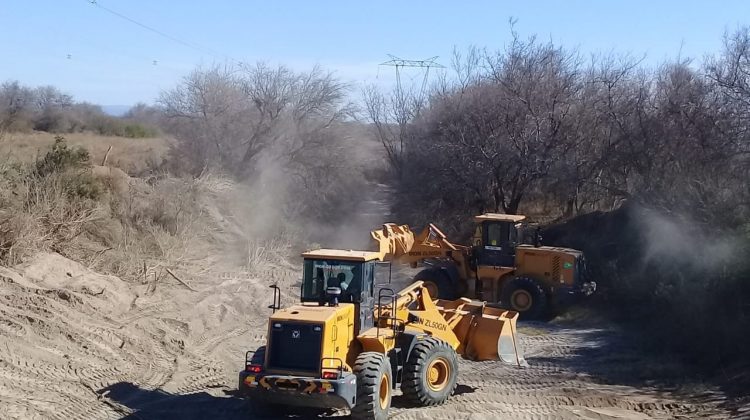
{"x":391,"y":296}
{"x":276,"y":305}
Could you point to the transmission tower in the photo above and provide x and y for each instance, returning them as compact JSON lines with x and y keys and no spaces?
{"x":426,"y":64}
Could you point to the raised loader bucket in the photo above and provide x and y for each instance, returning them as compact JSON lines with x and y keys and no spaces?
{"x":484,"y":333}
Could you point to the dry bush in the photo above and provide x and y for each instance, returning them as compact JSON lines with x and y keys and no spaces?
{"x":125,"y":225}
{"x":157,"y":224}
{"x":261,"y":253}
{"x":48,"y":204}
{"x":134,"y":156}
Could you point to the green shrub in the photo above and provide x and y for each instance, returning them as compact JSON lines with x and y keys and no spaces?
{"x":138,"y":131}
{"x":61,"y":158}
{"x":111,"y":126}
{"x":72,"y":166}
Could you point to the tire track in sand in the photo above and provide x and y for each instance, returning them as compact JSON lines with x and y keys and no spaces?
{"x":178,"y":352}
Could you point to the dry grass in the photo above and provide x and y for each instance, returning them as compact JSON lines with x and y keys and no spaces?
{"x":152,"y":226}
{"x":133,"y":227}
{"x":126,"y":226}
{"x":131,"y":155}
{"x":41,"y":212}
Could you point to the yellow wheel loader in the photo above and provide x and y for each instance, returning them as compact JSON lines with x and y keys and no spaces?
{"x":349,"y":344}
{"x":497,"y":267}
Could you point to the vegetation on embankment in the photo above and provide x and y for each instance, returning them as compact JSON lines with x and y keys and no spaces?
{"x":259,"y":163}
{"x":99,"y":215}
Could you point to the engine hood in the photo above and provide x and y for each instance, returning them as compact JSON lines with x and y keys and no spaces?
{"x":311,"y":313}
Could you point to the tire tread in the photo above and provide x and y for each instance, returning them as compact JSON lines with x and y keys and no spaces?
{"x":369,"y":367}
{"x":414,"y":390}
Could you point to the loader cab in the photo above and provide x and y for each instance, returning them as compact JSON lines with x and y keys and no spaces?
{"x":496,"y":238}
{"x":351,"y":272}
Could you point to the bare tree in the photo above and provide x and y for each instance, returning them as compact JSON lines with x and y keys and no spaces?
{"x":227,"y":117}
{"x":270,"y":127}
{"x":205,"y":112}
{"x":731,"y":70}
{"x":15,"y":105}
{"x":533,"y":125}
{"x":390,"y":116}
{"x":500,"y":134}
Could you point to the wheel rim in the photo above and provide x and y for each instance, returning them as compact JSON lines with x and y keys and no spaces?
{"x":432,"y":289}
{"x":385,"y":389}
{"x":438,"y":373}
{"x":521,"y":300}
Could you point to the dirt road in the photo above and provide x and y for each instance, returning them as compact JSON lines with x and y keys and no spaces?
{"x":79,"y":345}
{"x":572,"y":375}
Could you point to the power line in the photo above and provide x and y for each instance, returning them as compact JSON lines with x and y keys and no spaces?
{"x":165,"y":35}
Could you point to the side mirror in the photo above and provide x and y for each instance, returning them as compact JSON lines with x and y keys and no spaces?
{"x":538,"y":237}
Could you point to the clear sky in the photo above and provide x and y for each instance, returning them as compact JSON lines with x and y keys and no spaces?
{"x":96,"y":56}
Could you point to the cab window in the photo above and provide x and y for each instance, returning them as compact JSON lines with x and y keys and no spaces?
{"x":500,"y":234}
{"x":321,"y":274}
{"x":497,"y":234}
{"x":368,"y":279}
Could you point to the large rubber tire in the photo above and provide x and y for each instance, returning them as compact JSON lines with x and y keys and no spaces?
{"x":525,"y":296}
{"x":374,"y":386}
{"x":259,"y":407}
{"x":434,"y":278}
{"x":431,"y":373}
{"x":259,"y":357}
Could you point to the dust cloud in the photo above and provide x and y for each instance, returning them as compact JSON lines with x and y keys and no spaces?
{"x":282,"y":208}
{"x":678,"y":239}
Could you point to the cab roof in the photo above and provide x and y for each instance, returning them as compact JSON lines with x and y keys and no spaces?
{"x":342,"y":254}
{"x":515,"y":218}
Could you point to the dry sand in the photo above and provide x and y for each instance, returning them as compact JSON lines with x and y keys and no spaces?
{"x":75,"y":344}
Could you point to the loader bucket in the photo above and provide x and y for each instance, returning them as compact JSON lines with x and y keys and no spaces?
{"x":484,"y":333}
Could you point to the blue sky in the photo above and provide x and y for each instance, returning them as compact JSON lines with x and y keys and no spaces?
{"x":112,"y":60}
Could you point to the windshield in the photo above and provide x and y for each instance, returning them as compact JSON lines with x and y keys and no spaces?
{"x":320,"y":274}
